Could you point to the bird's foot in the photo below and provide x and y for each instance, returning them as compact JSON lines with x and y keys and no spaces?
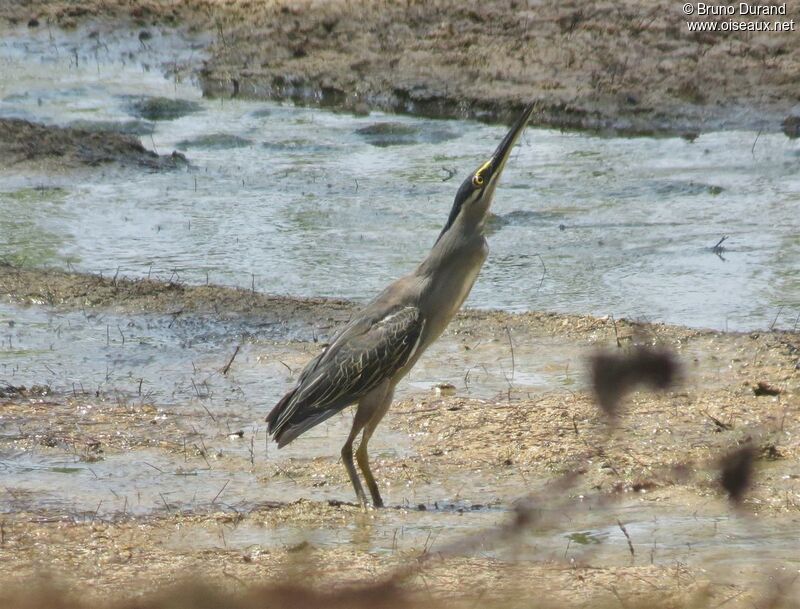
{"x":366,"y":505}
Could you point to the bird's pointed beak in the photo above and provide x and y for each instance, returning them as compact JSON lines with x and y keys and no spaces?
{"x":494,"y":166}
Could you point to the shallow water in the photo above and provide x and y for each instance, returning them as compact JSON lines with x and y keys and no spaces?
{"x":659,"y":535}
{"x":171,"y":365}
{"x":306,"y":202}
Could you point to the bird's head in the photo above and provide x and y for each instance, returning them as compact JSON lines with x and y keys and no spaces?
{"x":476,"y":192}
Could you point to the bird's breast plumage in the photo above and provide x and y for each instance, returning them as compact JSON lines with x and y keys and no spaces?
{"x":444,"y":294}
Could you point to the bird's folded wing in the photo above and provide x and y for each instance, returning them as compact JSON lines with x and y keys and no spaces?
{"x":365,"y":353}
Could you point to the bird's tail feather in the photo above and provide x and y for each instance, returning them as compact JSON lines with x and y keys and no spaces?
{"x":276,"y":411}
{"x":291,"y":429}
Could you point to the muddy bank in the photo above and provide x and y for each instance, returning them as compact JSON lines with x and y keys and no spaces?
{"x":80,"y":290}
{"x":71,"y":290}
{"x":53,"y":287}
{"x":138,"y":493}
{"x":130,"y":555}
{"x":136,"y":556}
{"x":31,"y":145}
{"x":513,"y":447}
{"x":634,"y":68}
{"x":541,"y":420}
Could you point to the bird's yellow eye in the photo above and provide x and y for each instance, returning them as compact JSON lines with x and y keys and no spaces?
{"x":477,"y":179}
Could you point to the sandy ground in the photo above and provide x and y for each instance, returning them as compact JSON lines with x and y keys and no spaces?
{"x":624,"y":67}
{"x":550,"y":448}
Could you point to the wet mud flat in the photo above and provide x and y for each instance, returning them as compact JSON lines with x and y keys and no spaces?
{"x":78,"y":290}
{"x":27,"y":145}
{"x":504,"y":483}
{"x":629,"y":69}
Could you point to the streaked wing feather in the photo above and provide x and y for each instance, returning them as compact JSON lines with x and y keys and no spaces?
{"x":357,"y":360}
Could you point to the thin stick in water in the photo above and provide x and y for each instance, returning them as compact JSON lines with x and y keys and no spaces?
{"x":214,"y":500}
{"x":230,"y":361}
{"x":628,"y":537}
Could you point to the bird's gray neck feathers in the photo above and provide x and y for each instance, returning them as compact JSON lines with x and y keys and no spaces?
{"x":456,"y":247}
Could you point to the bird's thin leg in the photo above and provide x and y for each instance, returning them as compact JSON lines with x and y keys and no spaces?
{"x":361,"y":454}
{"x":347,"y":454}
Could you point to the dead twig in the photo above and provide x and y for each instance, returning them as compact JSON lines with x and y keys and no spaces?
{"x":513,"y":359}
{"x":628,"y":537}
{"x":544,"y":272}
{"x":227,"y":366}
{"x":214,"y":500}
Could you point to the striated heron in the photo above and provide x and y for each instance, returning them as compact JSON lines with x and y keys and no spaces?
{"x":367,"y":358}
